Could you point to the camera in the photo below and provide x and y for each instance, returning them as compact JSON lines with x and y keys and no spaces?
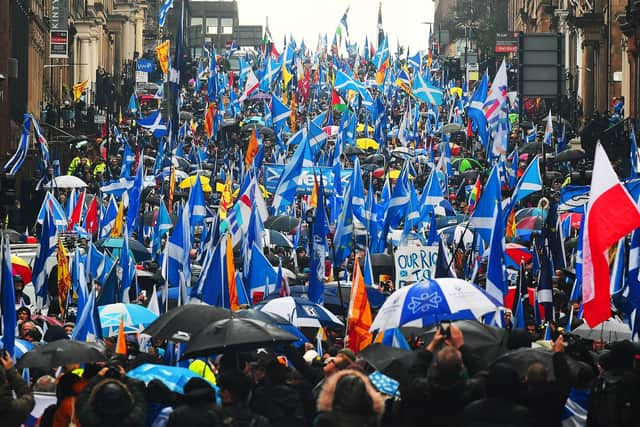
{"x":445,"y":328}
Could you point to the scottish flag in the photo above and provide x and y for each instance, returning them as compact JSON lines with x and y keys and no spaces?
{"x":344,"y":82}
{"x":42,"y":143}
{"x":196,"y":203}
{"x":154,"y":123}
{"x":164,"y":11}
{"x":483,"y":218}
{"x":343,"y":238}
{"x":57,"y":211}
{"x":14,"y":164}
{"x":279,"y":112}
{"x":357,"y":192}
{"x":530,"y":182}
{"x":289,"y":181}
{"x":426,"y":92}
{"x":576,"y":408}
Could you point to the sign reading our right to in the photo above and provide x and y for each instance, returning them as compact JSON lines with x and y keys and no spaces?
{"x":415,"y":263}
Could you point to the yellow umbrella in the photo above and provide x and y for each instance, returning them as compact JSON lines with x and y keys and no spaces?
{"x":360,"y":128}
{"x":189,"y":182}
{"x":395,"y":174}
{"x":366,"y":143}
{"x":456,"y":91}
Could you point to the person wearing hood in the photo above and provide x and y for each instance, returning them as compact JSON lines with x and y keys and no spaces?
{"x":198,"y":406}
{"x":235,"y":388}
{"x":348,"y":399}
{"x":16,"y":400}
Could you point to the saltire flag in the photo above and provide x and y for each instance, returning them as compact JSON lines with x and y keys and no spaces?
{"x":164,"y":11}
{"x":133,"y":106}
{"x":289,"y":181}
{"x":8,"y":299}
{"x":279,"y":114}
{"x":318,"y":249}
{"x":415,"y":61}
{"x":345,"y":82}
{"x":611,"y":214}
{"x":426,"y":92}
{"x":261,"y":275}
{"x":359,"y":318}
{"x":496,"y":284}
{"x":343,"y":237}
{"x":14,"y":164}
{"x":529,"y":183}
{"x":42,"y":143}
{"x":154,"y":123}
{"x":483,"y":217}
{"x":88,"y":327}
{"x":46,"y":246}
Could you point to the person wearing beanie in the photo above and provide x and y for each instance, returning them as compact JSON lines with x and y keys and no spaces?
{"x":109,"y":402}
{"x":13,"y":410}
{"x":349,"y":399}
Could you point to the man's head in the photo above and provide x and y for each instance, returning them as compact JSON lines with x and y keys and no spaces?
{"x":18,"y":283}
{"x":234,"y":387}
{"x":449,"y":363}
{"x":536,"y":374}
{"x":26,"y":327}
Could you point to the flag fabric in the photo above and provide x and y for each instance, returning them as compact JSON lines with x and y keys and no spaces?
{"x":279,"y":114}
{"x":64,"y":276}
{"x":496,"y":100}
{"x":118,"y":222}
{"x":289,"y":181}
{"x":343,"y":237}
{"x":548,"y":130}
{"x":380,"y":29}
{"x":318,"y":249}
{"x":474,"y":195}
{"x":126,"y":268}
{"x":155,"y":124}
{"x":88,"y":327}
{"x":196,"y":203}
{"x":261,"y":274}
{"x":576,"y":408}
{"x":251,"y":85}
{"x":91,"y":218}
{"x":43,"y":145}
{"x":345,"y":82}
{"x":108,"y":218}
{"x":529,"y":183}
{"x":8,"y":299}
{"x":121,"y":343}
{"x":496,"y":285}
{"x":611,"y":214}
{"x":78,"y":89}
{"x":252,"y":149}
{"x":231,"y":275}
{"x":78,"y":211}
{"x":209,"y":118}
{"x":483,"y":218}
{"x":14,"y":164}
{"x":47,"y":244}
{"x":359,"y":316}
{"x":426,"y":92}
{"x":164,"y":11}
{"x":162,"y":52}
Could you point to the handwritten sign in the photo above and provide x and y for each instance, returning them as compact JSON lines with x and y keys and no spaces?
{"x":415,"y":263}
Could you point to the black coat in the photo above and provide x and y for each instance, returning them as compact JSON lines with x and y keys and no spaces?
{"x":14,"y":411}
{"x":493,"y":412}
{"x":546,"y":402}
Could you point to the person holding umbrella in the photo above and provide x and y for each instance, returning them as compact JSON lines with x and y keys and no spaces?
{"x":13,"y":410}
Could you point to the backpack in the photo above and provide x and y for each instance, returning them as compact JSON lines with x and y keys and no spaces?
{"x":615,"y":401}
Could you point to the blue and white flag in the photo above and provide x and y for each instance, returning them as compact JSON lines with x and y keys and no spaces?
{"x":164,"y":11}
{"x":289,"y":181}
{"x":42,"y":143}
{"x":576,"y":408}
{"x":8,"y":302}
{"x":426,"y":92}
{"x":318,"y":249}
{"x":14,"y":164}
{"x":46,"y":247}
{"x":344,"y":82}
{"x":88,"y":327}
{"x":154,"y":123}
{"x":548,"y":130}
{"x":196,"y":203}
{"x":279,"y":114}
{"x":483,"y":218}
{"x":529,"y":183}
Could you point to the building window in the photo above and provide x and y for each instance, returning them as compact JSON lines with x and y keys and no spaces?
{"x":195,"y":22}
{"x":212,"y":25}
{"x":226,"y":25}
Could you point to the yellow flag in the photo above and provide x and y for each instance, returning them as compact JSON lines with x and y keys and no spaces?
{"x":231,"y":275}
{"x":313,"y":200}
{"x":286,"y":76}
{"x":294,"y":107}
{"x":162,"y":52}
{"x":64,"y":277}
{"x":172,"y":187}
{"x":226,"y":200}
{"x":117,"y":227}
{"x":78,"y":88}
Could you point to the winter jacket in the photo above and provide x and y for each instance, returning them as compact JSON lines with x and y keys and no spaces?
{"x":493,"y":412}
{"x":14,"y":411}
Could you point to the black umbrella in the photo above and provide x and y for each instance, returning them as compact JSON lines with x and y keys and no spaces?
{"x":369,"y":167}
{"x":570,"y":155}
{"x":485,"y":341}
{"x":187,"y":319}
{"x":282,"y":223}
{"x":520,"y":359}
{"x":263,"y":316}
{"x":374,"y":158}
{"x":351,"y":150}
{"x":391,"y":361}
{"x":13,"y":235}
{"x":61,"y":353}
{"x":532,"y":147}
{"x":267,"y":132}
{"x":236,"y":334}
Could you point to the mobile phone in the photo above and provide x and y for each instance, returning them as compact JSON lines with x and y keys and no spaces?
{"x":445,"y":328}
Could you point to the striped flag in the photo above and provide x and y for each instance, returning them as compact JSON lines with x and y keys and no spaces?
{"x":15,"y":162}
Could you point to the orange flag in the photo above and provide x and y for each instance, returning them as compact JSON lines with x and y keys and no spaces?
{"x":162,"y":52}
{"x":118,"y":224}
{"x":121,"y":344}
{"x":360,"y":319}
{"x":208,"y":120}
{"x":252,"y":149}
{"x":313,"y":200}
{"x":231,"y":276}
{"x":172,"y":188}
{"x":294,"y":107}
{"x":64,"y":277}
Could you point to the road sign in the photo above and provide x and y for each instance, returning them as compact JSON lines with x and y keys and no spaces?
{"x":540,"y":65}
{"x":59,"y":44}
{"x":506,"y":43}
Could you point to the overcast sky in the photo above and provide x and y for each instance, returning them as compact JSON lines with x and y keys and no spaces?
{"x":401,"y":20}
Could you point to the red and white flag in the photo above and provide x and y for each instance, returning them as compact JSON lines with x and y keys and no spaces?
{"x":250,"y":86}
{"x":611,"y":214}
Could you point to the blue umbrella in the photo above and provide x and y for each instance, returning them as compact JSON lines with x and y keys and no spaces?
{"x":173,"y":377}
{"x":136,"y":318}
{"x":428,"y":302}
{"x":385,"y":384}
{"x":22,"y":346}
